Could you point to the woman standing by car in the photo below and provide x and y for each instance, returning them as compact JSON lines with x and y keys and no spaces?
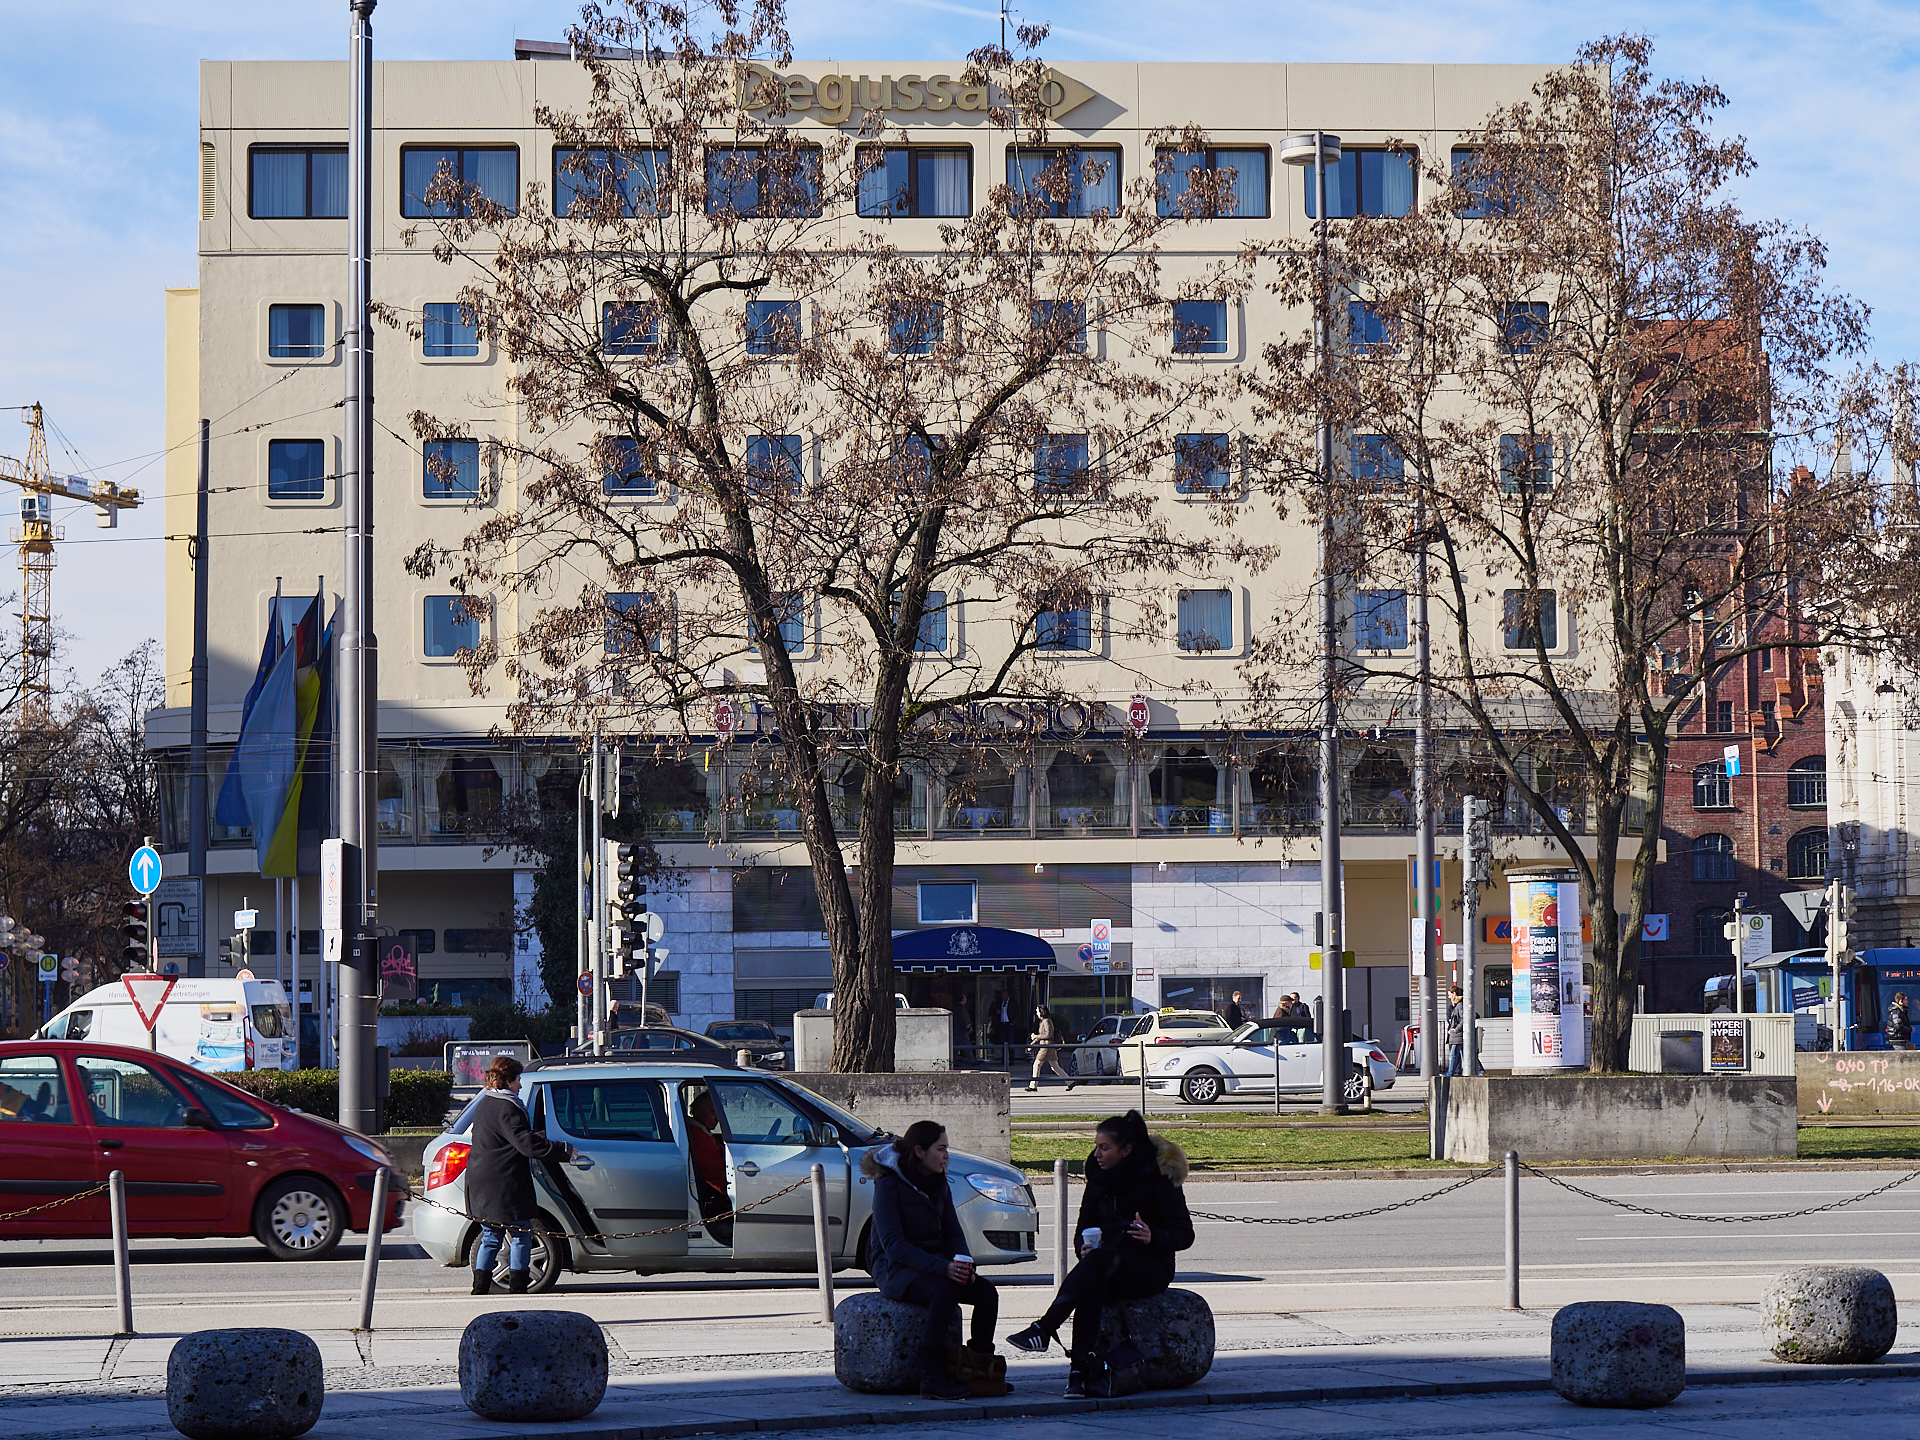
{"x":919,"y":1252}
{"x":500,"y":1177}
{"x":1133,"y":1221}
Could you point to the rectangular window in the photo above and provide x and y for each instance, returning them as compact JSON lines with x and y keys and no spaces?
{"x":947,"y":902}
{"x":1064,"y":629}
{"x":296,"y":469}
{"x":915,"y":181}
{"x":450,"y":470}
{"x":629,"y":328}
{"x":1214,"y":183}
{"x":1480,"y":203}
{"x":1059,"y":462}
{"x":1202,"y":464}
{"x":1526,"y":464}
{"x":1523,"y":327}
{"x":1200,"y":327}
{"x":751,"y":180}
{"x":1489,"y":193}
{"x":1060,"y":324}
{"x":447,"y":333}
{"x":1370,"y":330}
{"x":423,"y":941}
{"x":635,"y":623}
{"x":1530,"y":617}
{"x":628,"y":476}
{"x":1375,"y":460}
{"x":773,"y":327}
{"x":1366,"y":182}
{"x":793,"y":624}
{"x":31,"y":1087}
{"x":610,"y":1110}
{"x":490,"y":173}
{"x":584,"y":180}
{"x":1722,"y":716}
{"x":1380,"y":619}
{"x":932,"y":639}
{"x":297,"y":182}
{"x":915,"y":327}
{"x":296,"y":332}
{"x":774,"y":464}
{"x":1065,"y":183}
{"x":1206,"y":620}
{"x":446,"y":627}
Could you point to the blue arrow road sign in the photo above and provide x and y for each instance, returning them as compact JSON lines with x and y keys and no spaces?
{"x":144,"y":870}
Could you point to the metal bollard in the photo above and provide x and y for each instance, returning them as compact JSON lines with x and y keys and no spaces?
{"x":122,"y":1279}
{"x":1276,"y":1072}
{"x":1143,"y":1078}
{"x":1062,"y":1226}
{"x":823,"y":1256}
{"x":376,"y":1232}
{"x":1513,"y":1229}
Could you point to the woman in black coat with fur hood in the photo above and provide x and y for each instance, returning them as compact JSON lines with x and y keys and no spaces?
{"x":1135,"y":1201}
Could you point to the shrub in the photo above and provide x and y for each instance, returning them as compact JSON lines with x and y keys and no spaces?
{"x":416,"y":1099}
{"x":491,"y":1021}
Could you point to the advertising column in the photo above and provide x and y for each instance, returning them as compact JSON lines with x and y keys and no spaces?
{"x":1549,"y":994}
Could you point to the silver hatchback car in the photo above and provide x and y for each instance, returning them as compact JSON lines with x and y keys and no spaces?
{"x":638,"y":1198}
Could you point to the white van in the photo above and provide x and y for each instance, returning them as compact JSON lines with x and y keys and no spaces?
{"x":210,"y":1024}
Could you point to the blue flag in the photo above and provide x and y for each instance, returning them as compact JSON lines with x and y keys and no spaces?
{"x":267,"y":757}
{"x":231,"y":808}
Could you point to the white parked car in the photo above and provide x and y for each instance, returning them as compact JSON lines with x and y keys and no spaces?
{"x":1168,"y":1027}
{"x":1202,"y":1074}
{"x":1098,"y":1052}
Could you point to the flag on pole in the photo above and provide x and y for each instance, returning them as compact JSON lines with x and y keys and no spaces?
{"x":231,"y":808}
{"x":277,"y":827}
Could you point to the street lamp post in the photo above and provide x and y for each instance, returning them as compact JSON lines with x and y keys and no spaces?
{"x":1320,"y":150}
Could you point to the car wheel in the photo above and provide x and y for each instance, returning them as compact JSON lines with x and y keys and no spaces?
{"x":861,"y":1255}
{"x":1073,"y":1062}
{"x":1357,"y":1086}
{"x":299,"y":1218}
{"x":1200,"y":1087}
{"x":543,"y":1265}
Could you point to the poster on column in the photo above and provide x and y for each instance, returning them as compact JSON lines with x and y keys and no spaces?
{"x":1549,"y":997}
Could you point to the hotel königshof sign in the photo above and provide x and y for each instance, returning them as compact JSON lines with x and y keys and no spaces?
{"x":836,"y":97}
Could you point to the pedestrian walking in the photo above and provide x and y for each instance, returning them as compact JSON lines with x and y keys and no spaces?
{"x":1000,"y":1025}
{"x":919,"y":1252}
{"x":1133,"y":1221}
{"x":1456,"y":1034}
{"x":500,"y":1177}
{"x":1045,"y":1040}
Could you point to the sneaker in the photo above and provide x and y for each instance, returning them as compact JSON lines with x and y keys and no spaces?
{"x":1076,"y":1384}
{"x":1031,"y":1087}
{"x":1033,"y":1340}
{"x":1070,"y":1084}
{"x":939,"y":1387}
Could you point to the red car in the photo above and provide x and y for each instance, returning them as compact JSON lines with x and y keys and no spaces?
{"x":201,"y":1158}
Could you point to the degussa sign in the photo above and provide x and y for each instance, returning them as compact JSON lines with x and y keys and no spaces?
{"x":1549,"y":994}
{"x":834,"y":98}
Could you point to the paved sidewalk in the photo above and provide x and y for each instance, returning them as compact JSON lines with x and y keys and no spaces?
{"x":770,"y":1373}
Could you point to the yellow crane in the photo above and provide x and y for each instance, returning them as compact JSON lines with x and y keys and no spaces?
{"x":35,"y":536}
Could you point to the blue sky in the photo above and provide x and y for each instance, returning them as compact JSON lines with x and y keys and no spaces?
{"x":99,"y":134}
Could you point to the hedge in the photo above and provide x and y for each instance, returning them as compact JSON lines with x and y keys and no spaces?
{"x":416,"y":1099}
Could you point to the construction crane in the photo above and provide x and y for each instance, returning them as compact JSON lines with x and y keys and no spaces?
{"x":35,"y":535}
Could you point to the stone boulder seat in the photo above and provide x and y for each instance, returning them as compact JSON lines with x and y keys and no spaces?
{"x":1618,"y":1354}
{"x":1829,"y":1315}
{"x":876,"y":1344}
{"x":533,"y":1365}
{"x":1173,"y":1331}
{"x":245,"y":1385}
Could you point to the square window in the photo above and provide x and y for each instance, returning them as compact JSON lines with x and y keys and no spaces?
{"x":1059,"y":462}
{"x":1530,"y":617}
{"x":1205,"y":620}
{"x":773,"y":327}
{"x":446,"y":627}
{"x":1060,"y":184}
{"x":635,"y":623}
{"x":747,"y":181}
{"x":450,"y":470}
{"x":1060,"y":324}
{"x":1523,"y":327}
{"x":296,"y":332}
{"x":1200,"y":327}
{"x":793,"y":623}
{"x":1370,"y":330}
{"x":915,"y":327}
{"x":489,"y":173}
{"x":1479,"y":204}
{"x":1214,"y":183}
{"x":629,"y":328}
{"x":1380,"y":619}
{"x":947,"y":902}
{"x":775,"y":464}
{"x":297,"y":182}
{"x":915,"y":180}
{"x":296,"y":469}
{"x":1065,"y":629}
{"x":1375,"y":460}
{"x":1202,"y":464}
{"x":1526,"y":463}
{"x":1366,"y":182}
{"x":628,"y":475}
{"x":582,"y":178}
{"x":447,"y":333}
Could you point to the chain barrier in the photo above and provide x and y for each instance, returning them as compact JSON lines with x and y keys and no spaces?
{"x":99,"y":1189}
{"x":1719,"y":1219}
{"x":631,"y":1234}
{"x":1350,"y":1215}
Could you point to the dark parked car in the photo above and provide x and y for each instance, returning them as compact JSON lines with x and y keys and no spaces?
{"x":761,"y":1041}
{"x":690,"y":1043}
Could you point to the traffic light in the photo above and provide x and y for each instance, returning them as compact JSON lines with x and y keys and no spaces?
{"x":135,"y":953}
{"x":228,"y":944}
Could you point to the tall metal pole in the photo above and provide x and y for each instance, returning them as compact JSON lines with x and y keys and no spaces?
{"x":358,"y":687}
{"x":1425,"y":890}
{"x":583,"y":879}
{"x":1469,"y":926}
{"x":197,"y":712}
{"x":1333,"y":1029}
{"x":597,"y":912}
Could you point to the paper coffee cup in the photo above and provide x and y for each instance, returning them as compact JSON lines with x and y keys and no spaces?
{"x":1091,"y":1237}
{"x":963,"y":1259}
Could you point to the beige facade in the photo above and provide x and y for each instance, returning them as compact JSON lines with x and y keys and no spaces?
{"x":1215,"y":884}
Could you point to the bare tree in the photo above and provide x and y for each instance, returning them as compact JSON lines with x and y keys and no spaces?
{"x":773,"y":439}
{"x":1576,"y":384}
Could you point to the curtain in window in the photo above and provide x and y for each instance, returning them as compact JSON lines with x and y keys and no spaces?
{"x":1249,"y":182}
{"x":418,"y":169}
{"x":279,"y":183}
{"x":450,"y":469}
{"x":432,"y":764}
{"x":329,"y":197}
{"x":1396,"y":184}
{"x":943,"y":184}
{"x":877,"y":187}
{"x":1206,"y":620}
{"x":643,"y":179}
{"x":1097,"y":176}
{"x":495,"y":174}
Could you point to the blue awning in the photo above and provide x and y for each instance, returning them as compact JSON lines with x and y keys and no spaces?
{"x":970,"y":947}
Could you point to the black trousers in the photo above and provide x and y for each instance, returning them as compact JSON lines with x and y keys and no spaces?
{"x":1105,"y":1275}
{"x":943,"y":1299}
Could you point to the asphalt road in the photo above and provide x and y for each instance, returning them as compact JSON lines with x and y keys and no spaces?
{"x":1107,"y":1097}
{"x":1442,"y":1253}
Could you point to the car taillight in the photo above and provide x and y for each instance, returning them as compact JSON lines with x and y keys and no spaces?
{"x":449,"y":1165}
{"x":249,"y":1052}
{"x":1166,"y":1040}
{"x":1379,"y":1058}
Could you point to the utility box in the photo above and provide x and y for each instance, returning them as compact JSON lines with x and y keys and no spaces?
{"x":1681,"y":1053}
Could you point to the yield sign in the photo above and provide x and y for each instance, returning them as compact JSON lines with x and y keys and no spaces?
{"x":148,"y":993}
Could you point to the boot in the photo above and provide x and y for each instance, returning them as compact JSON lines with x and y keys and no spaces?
{"x":518,"y":1280}
{"x":1076,"y":1381}
{"x":482,"y":1282}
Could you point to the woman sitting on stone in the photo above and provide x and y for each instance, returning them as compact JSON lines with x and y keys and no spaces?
{"x":1133,"y":1221}
{"x":918,"y":1252}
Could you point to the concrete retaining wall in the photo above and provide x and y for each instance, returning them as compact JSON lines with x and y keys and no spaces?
{"x":1621,"y":1117}
{"x":972,"y":1104}
{"x":922,"y":1040}
{"x":1860,"y":1082}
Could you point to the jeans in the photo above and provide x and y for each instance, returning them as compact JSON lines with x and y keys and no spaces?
{"x":1456,"y":1057}
{"x":1106,"y":1274}
{"x":519,"y":1246}
{"x":943,"y":1299}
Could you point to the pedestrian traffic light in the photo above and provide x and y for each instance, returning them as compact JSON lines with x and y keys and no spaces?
{"x":135,"y":953}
